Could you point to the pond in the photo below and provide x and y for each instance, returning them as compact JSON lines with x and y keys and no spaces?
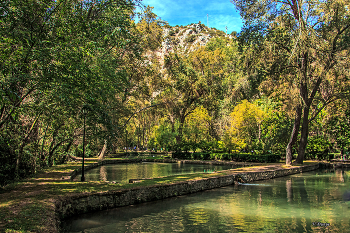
{"x":122,"y":172}
{"x":316,"y":201}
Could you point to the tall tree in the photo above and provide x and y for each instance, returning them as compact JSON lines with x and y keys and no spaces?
{"x":55,"y":58}
{"x":195,"y":79}
{"x":305,"y":45}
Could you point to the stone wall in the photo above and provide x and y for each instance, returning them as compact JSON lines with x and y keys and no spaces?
{"x":83,"y":203}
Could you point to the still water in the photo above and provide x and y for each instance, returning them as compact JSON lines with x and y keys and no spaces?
{"x":296,"y":203}
{"x":122,"y":172}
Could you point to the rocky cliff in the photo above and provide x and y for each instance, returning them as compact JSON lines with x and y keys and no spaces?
{"x":184,"y":39}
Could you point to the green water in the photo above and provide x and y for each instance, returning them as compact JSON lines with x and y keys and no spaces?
{"x":122,"y":172}
{"x":288,"y":204}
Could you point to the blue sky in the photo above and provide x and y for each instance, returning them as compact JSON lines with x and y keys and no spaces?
{"x":221,"y":13}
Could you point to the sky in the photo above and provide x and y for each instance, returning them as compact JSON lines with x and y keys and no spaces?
{"x":221,"y":13}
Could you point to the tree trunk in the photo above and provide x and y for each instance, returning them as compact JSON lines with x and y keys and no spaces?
{"x":303,"y":137}
{"x":21,"y":148}
{"x":179,"y":135}
{"x":294,"y":135}
{"x":103,"y":151}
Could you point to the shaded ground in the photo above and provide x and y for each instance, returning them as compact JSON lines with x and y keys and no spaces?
{"x":28,"y":206}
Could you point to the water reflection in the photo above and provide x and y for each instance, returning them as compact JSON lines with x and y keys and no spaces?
{"x":121,"y":173}
{"x":289,"y":204}
{"x":340,"y":175}
{"x":289,"y":190}
{"x":103,"y":173}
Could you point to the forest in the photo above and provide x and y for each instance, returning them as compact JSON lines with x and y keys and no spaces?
{"x":280,"y":86}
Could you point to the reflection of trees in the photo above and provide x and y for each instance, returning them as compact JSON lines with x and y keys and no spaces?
{"x":259,"y":198}
{"x":103,"y":173}
{"x":166,"y":221}
{"x":289,"y":190}
{"x":304,"y":203}
{"x":339,"y":174}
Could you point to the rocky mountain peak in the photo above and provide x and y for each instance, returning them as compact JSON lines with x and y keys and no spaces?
{"x":184,"y":39}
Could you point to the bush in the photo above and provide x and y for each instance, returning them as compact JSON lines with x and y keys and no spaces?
{"x":133,"y":153}
{"x":7,"y":164}
{"x":190,"y":38}
{"x":237,"y":157}
{"x":195,"y":156}
{"x":171,"y":33}
{"x":78,"y":152}
{"x":182,"y":155}
{"x":317,"y":147}
{"x":201,"y":156}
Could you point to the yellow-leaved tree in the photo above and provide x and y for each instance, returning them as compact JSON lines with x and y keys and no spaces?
{"x":197,"y":125}
{"x":245,"y":126}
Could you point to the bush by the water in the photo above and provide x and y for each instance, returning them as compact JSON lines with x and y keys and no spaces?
{"x":323,"y":155}
{"x":238,"y":157}
{"x":189,"y":155}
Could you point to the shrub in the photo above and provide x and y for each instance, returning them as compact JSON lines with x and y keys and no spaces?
{"x":181,"y":155}
{"x":7,"y":164}
{"x":132,"y":153}
{"x":190,"y":38}
{"x":201,"y":156}
{"x":238,"y":157}
{"x":171,"y":33}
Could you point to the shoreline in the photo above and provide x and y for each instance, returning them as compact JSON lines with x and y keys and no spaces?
{"x":39,"y":204}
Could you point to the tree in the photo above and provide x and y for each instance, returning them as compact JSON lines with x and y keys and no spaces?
{"x":55,"y":58}
{"x":150,"y":29}
{"x":337,"y":125}
{"x":305,"y":44}
{"x":246,"y":125}
{"x":197,"y":128}
{"x":195,"y":80}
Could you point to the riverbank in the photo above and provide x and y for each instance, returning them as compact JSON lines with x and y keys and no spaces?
{"x":37,"y":204}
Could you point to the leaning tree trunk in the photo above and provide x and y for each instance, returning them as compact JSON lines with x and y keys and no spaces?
{"x":294,"y":135}
{"x":103,"y":151}
{"x":23,"y":144}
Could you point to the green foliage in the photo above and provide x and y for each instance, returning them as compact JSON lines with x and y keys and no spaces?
{"x":238,"y":157}
{"x":78,"y":152}
{"x":339,"y":127}
{"x":7,"y":163}
{"x":163,"y":136}
{"x":150,"y":29}
{"x":246,"y":157}
{"x":191,"y":38}
{"x":287,"y":43}
{"x":171,"y":33}
{"x":246,"y":121}
{"x":56,"y":59}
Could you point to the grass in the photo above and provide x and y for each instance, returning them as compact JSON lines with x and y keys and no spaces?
{"x":27,"y":205}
